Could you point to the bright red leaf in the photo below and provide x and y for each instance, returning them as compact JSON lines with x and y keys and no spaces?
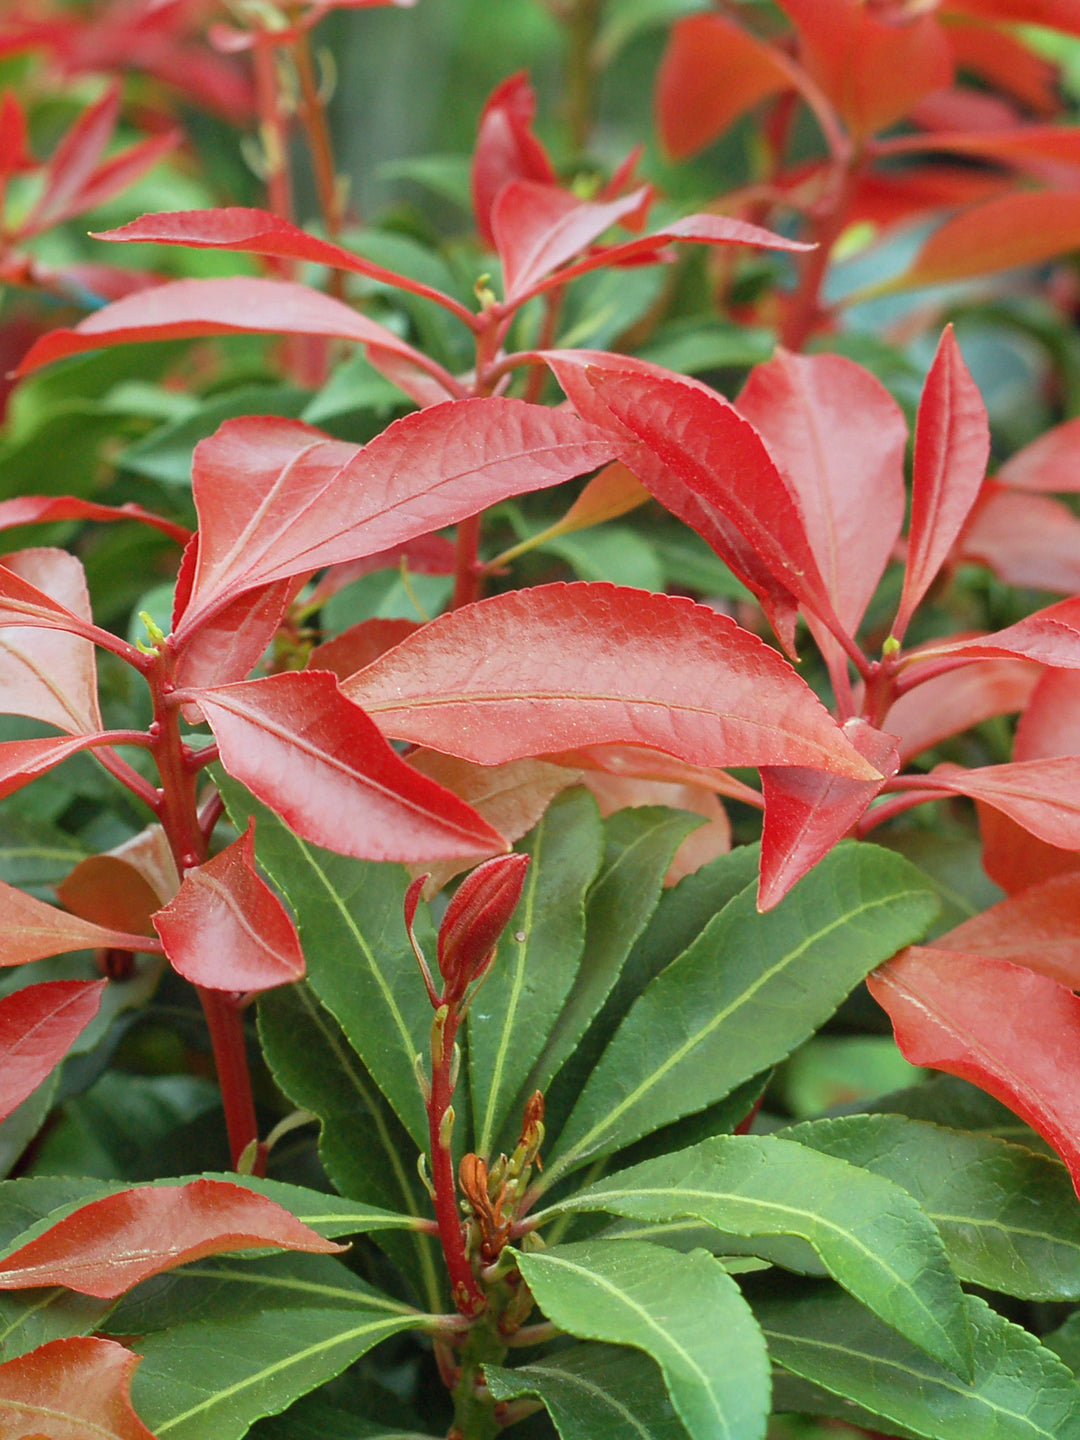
{"x":38,"y":1026}
{"x":952,"y":443}
{"x":80,"y":1388}
{"x":712,"y":72}
{"x":1041,"y":795}
{"x":42,"y":509}
{"x":240,"y":305}
{"x":1027,"y":540}
{"x":537,"y":228}
{"x":1055,"y":14}
{"x":1050,"y":463}
{"x":1026,"y":227}
{"x":808,"y":812}
{"x":1051,"y":636}
{"x":32,"y":930}
{"x":506,"y":149}
{"x":316,"y":759}
{"x":1039,"y":928}
{"x":51,"y":675}
{"x":1002,"y":58}
{"x":277,"y":498}
{"x":24,"y":760}
{"x":957,"y":700}
{"x":1013,"y":1033}
{"x":839,"y":439}
{"x":226,"y":929}
{"x":108,"y":1246}
{"x":359,"y":646}
{"x":539,"y":671}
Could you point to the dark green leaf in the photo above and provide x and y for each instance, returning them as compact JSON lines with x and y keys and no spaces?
{"x":34,"y":856}
{"x":682,"y":1310}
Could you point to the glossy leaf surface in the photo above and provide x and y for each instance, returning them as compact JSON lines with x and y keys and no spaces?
{"x":549,"y":669}
{"x":111,"y":1244}
{"x":682,"y":1310}
{"x":316,"y":759}
{"x":1040,"y":795}
{"x":1039,"y":928}
{"x":226,"y":929}
{"x":872,"y":1237}
{"x":37,"y":1026}
{"x":743,"y":995}
{"x":80,"y":1388}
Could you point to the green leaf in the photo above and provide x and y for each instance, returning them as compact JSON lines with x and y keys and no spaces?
{"x":870,"y":1234}
{"x":536,"y":962}
{"x":691,"y":347}
{"x":624,"y":19}
{"x":638,"y":847}
{"x":231,"y":1341}
{"x":35,"y":855}
{"x":364,"y":1148}
{"x":1008,"y":1217}
{"x":165,"y":455}
{"x":837,"y":1070}
{"x":350,"y":914}
{"x":747,"y":991}
{"x":609,"y":552}
{"x":955,"y":1103}
{"x":354,"y":385}
{"x":594,"y":1392}
{"x":1020,"y":1390}
{"x":682,"y":1310}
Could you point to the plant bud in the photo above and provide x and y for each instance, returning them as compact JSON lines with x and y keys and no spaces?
{"x":474,"y":920}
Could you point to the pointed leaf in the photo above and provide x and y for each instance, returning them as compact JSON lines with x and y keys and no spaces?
{"x":808,"y":812}
{"x":260,"y":232}
{"x":539,"y":227}
{"x":31,"y":930}
{"x":1050,"y":636}
{"x":37,"y":1026}
{"x":1020,"y":1390}
{"x":73,"y":162}
{"x":1026,"y":227}
{"x":536,"y":963}
{"x":182,"y":309}
{"x":839,"y":438}
{"x":682,"y":1310}
{"x":506,"y":149}
{"x":957,"y":700}
{"x":1041,"y":795}
{"x":723,"y":460}
{"x":743,"y":995}
{"x":314,"y":757}
{"x":299,"y":500}
{"x":1008,"y":1217}
{"x":999,"y":1025}
{"x":952,"y":442}
{"x":42,"y":509}
{"x":1029,"y":541}
{"x":110,"y":1245}
{"x":871,"y":1235}
{"x":51,"y":675}
{"x":23,"y":603}
{"x":1052,"y":462}
{"x":226,"y":929}
{"x":594,"y":1392}
{"x":550,"y":669}
{"x":22,"y":761}
{"x":712,"y":72}
{"x":79,"y":1387}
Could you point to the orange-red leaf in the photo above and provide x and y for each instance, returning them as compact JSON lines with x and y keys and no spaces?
{"x":1025,"y":227}
{"x":31,"y":930}
{"x":106,"y":1247}
{"x":37,"y":1027}
{"x":1039,"y":928}
{"x":1050,"y":463}
{"x":80,"y":1388}
{"x":1027,"y":540}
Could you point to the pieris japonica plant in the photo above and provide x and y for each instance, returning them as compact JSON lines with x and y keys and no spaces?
{"x":458,"y":894}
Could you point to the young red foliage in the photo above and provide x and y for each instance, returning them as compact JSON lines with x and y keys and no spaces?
{"x":226,"y":929}
{"x":51,"y":675}
{"x":38,"y":1025}
{"x":32,"y":930}
{"x":506,"y":149}
{"x":81,"y":1387}
{"x":106,"y":1247}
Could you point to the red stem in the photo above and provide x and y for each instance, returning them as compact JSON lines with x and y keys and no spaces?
{"x":226,"y":1027}
{"x":468,"y":1295}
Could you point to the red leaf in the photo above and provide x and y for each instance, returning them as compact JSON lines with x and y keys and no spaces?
{"x":957,"y":700}
{"x":51,"y":675}
{"x":1057,"y":143}
{"x":1055,"y":14}
{"x":1051,"y":636}
{"x":24,"y":760}
{"x":839,"y":439}
{"x":222,"y":647}
{"x":1013,"y":1033}
{"x":1002,"y":58}
{"x":537,"y":228}
{"x":872,"y":71}
{"x":109,"y":1245}
{"x":32,"y":930}
{"x":108,"y":890}
{"x":240,"y":305}
{"x":1025,"y":227}
{"x":712,"y":72}
{"x":80,"y":1387}
{"x":539,"y":671}
{"x":808,"y":812}
{"x":22,"y":603}
{"x":259,"y":232}
{"x":73,"y":161}
{"x":277,"y":498}
{"x":575,"y":371}
{"x":1041,"y":795}
{"x":316,"y":759}
{"x":1050,"y":724}
{"x":506,"y":149}
{"x":226,"y":929}
{"x":1027,"y":540}
{"x":359,"y":646}
{"x":38,"y":1026}
{"x":15,"y":154}
{"x":1039,"y":928}
{"x":41,"y":509}
{"x":723,"y":461}
{"x":952,"y":442}
{"x":1050,"y":463}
